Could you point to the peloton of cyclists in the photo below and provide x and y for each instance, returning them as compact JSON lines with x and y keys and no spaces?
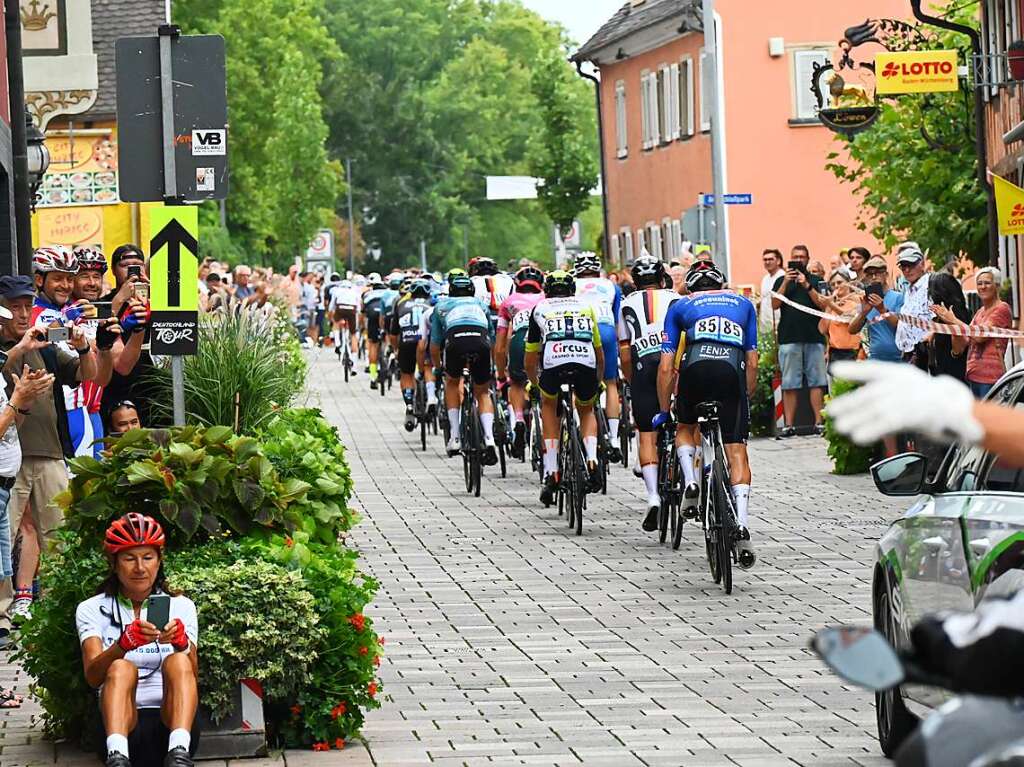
{"x":405,"y":328}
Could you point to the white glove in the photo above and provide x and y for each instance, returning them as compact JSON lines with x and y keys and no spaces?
{"x":899,"y":397}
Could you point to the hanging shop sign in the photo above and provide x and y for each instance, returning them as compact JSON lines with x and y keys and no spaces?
{"x":846,"y":95}
{"x":917,"y":72}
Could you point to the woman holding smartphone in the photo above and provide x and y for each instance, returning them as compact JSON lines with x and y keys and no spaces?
{"x":139,"y":651}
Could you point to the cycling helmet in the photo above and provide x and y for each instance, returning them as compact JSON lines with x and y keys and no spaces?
{"x":456,"y":272}
{"x":460,"y":285}
{"x":133,"y":530}
{"x":559,"y":284}
{"x":530,"y":275}
{"x":648,"y":271}
{"x":407,"y":283}
{"x":90,"y":259}
{"x":704,"y":275}
{"x":420,"y":289}
{"x":55,"y":258}
{"x":395,"y":280}
{"x":482,"y":267}
{"x":360,"y":281}
{"x":586,"y":263}
{"x":374,"y":277}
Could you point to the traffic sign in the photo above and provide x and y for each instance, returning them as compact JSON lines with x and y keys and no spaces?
{"x":707,"y":200}
{"x":320,"y":253}
{"x":174,"y":279}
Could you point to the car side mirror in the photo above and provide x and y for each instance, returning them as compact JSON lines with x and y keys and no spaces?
{"x":901,"y":475}
{"x":861,"y":656}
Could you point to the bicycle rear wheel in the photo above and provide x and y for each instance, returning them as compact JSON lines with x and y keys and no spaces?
{"x":723,"y":547}
{"x":476,"y":439}
{"x":536,"y":443}
{"x":625,"y":426}
{"x":710,"y":521}
{"x":580,"y":481}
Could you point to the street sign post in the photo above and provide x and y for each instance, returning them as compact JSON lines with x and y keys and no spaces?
{"x":320,"y":253}
{"x":708,"y":200}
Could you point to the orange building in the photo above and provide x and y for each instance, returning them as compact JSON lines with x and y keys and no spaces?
{"x":656,"y":139}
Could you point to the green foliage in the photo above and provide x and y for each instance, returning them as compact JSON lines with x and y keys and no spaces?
{"x":243,"y":353}
{"x":847,"y":457}
{"x":762,"y":406}
{"x":910,"y":189}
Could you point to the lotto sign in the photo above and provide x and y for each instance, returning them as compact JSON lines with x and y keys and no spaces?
{"x":1009,"y":207}
{"x":916,"y":72}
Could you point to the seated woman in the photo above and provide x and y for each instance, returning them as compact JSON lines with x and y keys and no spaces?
{"x":146,"y":675}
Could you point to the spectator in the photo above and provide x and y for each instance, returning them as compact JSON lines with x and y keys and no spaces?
{"x":217,"y":294}
{"x":945,"y":352}
{"x":857,"y":259}
{"x":243,"y":288}
{"x":292,"y":287}
{"x":44,"y":436}
{"x":678,"y":275}
{"x":879,"y":298}
{"x":801,"y":345}
{"x":909,"y":338}
{"x":768,"y":317}
{"x":308,"y":305}
{"x":842,"y":344}
{"x":124,"y":416}
{"x":148,"y":703}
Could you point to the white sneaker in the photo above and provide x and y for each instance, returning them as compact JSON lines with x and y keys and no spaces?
{"x":454,"y":445}
{"x":21,"y":610}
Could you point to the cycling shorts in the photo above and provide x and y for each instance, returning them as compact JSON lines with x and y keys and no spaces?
{"x":644,"y":387}
{"x":610,"y":347}
{"x":373,"y":327}
{"x":407,"y":357}
{"x":517,"y":358}
{"x":721,"y":380}
{"x":582,"y":378}
{"x":346,"y":314}
{"x":462,"y":343}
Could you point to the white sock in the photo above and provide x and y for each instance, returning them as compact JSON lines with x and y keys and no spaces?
{"x":650,"y":472}
{"x":336,"y":337}
{"x":511,"y":419}
{"x":686,"y":454}
{"x":179,"y":737}
{"x":487,"y":421}
{"x":741,"y":497}
{"x":550,"y":457}
{"x":613,"y":428}
{"x":118,"y":743}
{"x":431,"y":391}
{"x":454,"y":417}
{"x":590,"y":445}
{"x":519,"y":416}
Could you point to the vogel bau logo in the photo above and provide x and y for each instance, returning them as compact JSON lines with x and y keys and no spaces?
{"x":918,"y":68}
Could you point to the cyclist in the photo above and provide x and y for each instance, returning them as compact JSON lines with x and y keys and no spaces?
{"x":370,"y":307}
{"x":492,"y":287}
{"x":461,"y":325}
{"x":423,"y":355}
{"x":719,"y":330}
{"x":341,"y":307}
{"x":510,"y":346}
{"x":405,"y":327}
{"x":564,"y":329}
{"x":641,"y":334}
{"x":606,"y":298}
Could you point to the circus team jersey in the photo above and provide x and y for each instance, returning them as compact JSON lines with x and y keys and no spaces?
{"x":713,"y":316}
{"x":514,"y":314}
{"x":566,"y":330}
{"x":642,"y":320}
{"x":603,"y":294}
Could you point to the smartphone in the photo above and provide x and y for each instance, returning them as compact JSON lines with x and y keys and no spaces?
{"x":158,"y":611}
{"x":874,"y":290}
{"x":140,"y":290}
{"x":795,"y":265}
{"x":103,"y":311}
{"x":56,"y":335}
{"x":135,"y":271}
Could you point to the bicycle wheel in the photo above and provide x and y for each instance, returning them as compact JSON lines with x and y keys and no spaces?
{"x":709,"y":520}
{"x":381,"y":376}
{"x":677,"y":528}
{"x":467,"y":469}
{"x":536,"y":443}
{"x":625,"y":426}
{"x":579,"y":483}
{"x":723,"y":548}
{"x":476,"y":440}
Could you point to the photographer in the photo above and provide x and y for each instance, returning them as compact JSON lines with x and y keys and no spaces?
{"x":147,"y":675}
{"x":129,"y":302}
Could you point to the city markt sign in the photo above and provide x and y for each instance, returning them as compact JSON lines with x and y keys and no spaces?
{"x":916,"y":72}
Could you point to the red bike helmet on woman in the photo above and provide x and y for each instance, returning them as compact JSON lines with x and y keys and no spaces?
{"x":133,"y":530}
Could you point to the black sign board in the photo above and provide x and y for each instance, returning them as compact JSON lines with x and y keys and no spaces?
{"x":200,"y":118}
{"x":174,"y":333}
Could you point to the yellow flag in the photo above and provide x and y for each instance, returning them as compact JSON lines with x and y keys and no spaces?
{"x":1009,"y":206}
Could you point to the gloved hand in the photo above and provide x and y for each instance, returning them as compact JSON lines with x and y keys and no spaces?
{"x":133,"y":637}
{"x":659,"y":420}
{"x":178,"y":638}
{"x":106,"y":333}
{"x":898,"y":397}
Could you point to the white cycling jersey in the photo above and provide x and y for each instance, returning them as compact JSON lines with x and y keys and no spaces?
{"x":344,"y":295}
{"x":493,"y":290}
{"x":600,"y":293}
{"x":642,"y":320}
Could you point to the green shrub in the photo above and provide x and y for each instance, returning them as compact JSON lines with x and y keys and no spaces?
{"x":762,"y":406}
{"x":847,"y":457}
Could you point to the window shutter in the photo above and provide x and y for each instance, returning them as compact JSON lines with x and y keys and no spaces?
{"x":622,"y":137}
{"x":705,"y":119}
{"x":673,"y":82}
{"x":677,"y":237}
{"x":627,"y":239}
{"x":665,"y":104}
{"x":803,"y":71}
{"x":645,"y":113}
{"x":654,"y":91}
{"x":615,"y":250}
{"x":687,"y":104}
{"x":641,"y":242}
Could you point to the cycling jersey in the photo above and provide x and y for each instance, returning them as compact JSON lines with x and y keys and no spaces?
{"x":718,"y":317}
{"x":642,"y":320}
{"x":388,"y":301}
{"x":453,"y":314}
{"x":603,"y":294}
{"x":343,"y":295}
{"x":565,"y":329}
{"x":405,"y":322}
{"x":371,"y":300}
{"x":493,"y":290}
{"x":105,"y":616}
{"x":514,"y":318}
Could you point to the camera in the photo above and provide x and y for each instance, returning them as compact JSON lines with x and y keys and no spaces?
{"x":140,"y":290}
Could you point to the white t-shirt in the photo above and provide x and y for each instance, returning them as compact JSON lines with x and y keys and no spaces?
{"x":102,"y":616}
{"x":768,"y":318}
{"x":10,"y":445}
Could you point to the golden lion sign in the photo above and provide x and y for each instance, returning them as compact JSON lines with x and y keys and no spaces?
{"x":916,"y":72}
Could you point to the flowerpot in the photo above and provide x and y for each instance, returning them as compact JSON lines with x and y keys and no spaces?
{"x":242,"y":733}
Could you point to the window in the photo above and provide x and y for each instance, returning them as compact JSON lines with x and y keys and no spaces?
{"x":805,"y":106}
{"x":655,"y":237}
{"x":684,"y":99}
{"x":965,"y":463}
{"x":649,"y":109}
{"x":668,"y":243}
{"x":616,"y":252}
{"x":677,"y":238}
{"x":627,"y":244}
{"x":672,"y":127}
{"x":665,"y":105}
{"x":621,"y":136}
{"x":705,"y":118}
{"x":641,"y":242}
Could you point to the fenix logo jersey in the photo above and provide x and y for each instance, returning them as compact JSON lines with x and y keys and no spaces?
{"x":642,"y":320}
{"x":603,"y":294}
{"x":566,"y":330}
{"x":713,"y":316}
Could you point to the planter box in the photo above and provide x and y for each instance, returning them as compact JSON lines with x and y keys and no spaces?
{"x":242,"y":733}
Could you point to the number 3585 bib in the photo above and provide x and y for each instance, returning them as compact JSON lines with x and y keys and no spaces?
{"x":718,"y":329}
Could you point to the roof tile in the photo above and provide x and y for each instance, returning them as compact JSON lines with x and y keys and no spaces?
{"x":629,"y":19}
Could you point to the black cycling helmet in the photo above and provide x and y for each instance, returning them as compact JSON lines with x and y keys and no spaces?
{"x":704,"y":275}
{"x":407,"y":283}
{"x":482,"y":267}
{"x":648,"y":271}
{"x":559,"y":284}
{"x":460,"y":285}
{"x":420,"y":289}
{"x":586,"y":263}
{"x":530,"y":277}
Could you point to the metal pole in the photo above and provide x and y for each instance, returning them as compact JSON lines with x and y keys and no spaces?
{"x":351,"y":222}
{"x":701,"y":234}
{"x":178,"y":386}
{"x":604,"y":169}
{"x":423,"y":255}
{"x":714,"y":109}
{"x":21,"y":237}
{"x":465,"y":241}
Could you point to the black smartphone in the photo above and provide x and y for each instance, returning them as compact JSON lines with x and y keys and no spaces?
{"x":135,"y":271}
{"x":796,"y":265}
{"x":874,"y":290}
{"x":103,"y":311}
{"x":158,"y":611}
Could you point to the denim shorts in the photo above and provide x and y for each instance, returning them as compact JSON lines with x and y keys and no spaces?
{"x":802,"y":364}
{"x":6,"y":534}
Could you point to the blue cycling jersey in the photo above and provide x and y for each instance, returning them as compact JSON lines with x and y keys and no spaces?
{"x":717,"y":316}
{"x":459,"y":312}
{"x":388,"y":301}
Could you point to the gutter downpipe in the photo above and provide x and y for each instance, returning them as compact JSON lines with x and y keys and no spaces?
{"x":604,"y":170}
{"x":21,"y":237}
{"x":979,"y":122}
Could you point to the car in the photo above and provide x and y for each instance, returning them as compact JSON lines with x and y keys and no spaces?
{"x":961,"y":540}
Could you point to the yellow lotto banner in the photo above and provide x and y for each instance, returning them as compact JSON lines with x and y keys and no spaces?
{"x":1009,"y":206}
{"x":916,"y":72}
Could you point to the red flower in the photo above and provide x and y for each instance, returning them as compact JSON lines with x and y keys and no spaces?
{"x":321,"y":747}
{"x":380,"y":641}
{"x":364,"y":650}
{"x":296,"y":710}
{"x":338,"y":710}
{"x":339,"y":744}
{"x":372,"y":688}
{"x":376,"y":660}
{"x":358,"y":620}
{"x":288,"y":541}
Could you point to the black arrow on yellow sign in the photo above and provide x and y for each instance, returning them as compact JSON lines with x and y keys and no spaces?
{"x":174,"y":235}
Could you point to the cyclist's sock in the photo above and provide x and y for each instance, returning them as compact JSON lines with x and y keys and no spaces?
{"x":741,"y":496}
{"x":511,"y":419}
{"x":373,"y":370}
{"x":407,"y":396}
{"x":650,"y":472}
{"x":487,"y":421}
{"x":180,"y":737}
{"x":550,"y":457}
{"x":613,"y":427}
{"x":336,"y":337}
{"x":590,"y":445}
{"x":118,"y":743}
{"x":454,"y":417}
{"x":431,"y":390}
{"x":686,"y":454}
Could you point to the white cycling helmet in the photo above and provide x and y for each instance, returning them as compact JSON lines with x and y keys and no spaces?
{"x":54,"y":258}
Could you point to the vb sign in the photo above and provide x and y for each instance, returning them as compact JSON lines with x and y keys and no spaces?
{"x":916,"y":72}
{"x":174,"y":279}
{"x":209,"y":142}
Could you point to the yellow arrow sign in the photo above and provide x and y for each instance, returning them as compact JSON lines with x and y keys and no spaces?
{"x":173,"y":266}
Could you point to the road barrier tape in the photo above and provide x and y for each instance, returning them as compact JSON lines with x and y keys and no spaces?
{"x":971,"y":331}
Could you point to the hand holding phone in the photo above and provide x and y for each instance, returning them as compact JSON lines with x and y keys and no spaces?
{"x":158,"y":611}
{"x":58,"y":334}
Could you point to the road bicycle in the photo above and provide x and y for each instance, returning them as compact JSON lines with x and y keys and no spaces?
{"x":384,"y":377}
{"x":717,"y":512}
{"x":670,"y":488}
{"x":502,"y":432}
{"x":346,"y":355}
{"x":572,"y":463}
{"x":421,"y":411}
{"x":626,"y":428}
{"x":535,"y":434}
{"x":471,"y":433}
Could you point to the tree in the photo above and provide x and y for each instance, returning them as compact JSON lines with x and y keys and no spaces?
{"x":916,"y":168}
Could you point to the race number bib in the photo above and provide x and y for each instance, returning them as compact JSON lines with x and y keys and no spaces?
{"x":520,"y":321}
{"x":718,"y":329}
{"x":569,"y":326}
{"x":649,"y":344}
{"x":569,"y":352}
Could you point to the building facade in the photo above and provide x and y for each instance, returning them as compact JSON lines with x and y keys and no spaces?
{"x":656,"y":133}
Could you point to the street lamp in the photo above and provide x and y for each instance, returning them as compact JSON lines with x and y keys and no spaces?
{"x":38,"y":157}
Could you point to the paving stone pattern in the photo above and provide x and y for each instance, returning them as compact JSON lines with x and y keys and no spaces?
{"x":511,"y":641}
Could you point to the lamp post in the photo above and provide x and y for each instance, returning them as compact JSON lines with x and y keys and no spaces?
{"x":38,"y":157}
